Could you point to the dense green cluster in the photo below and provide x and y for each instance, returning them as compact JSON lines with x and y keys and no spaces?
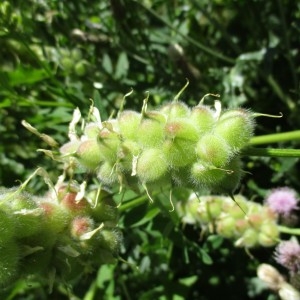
{"x":249,"y":224}
{"x":174,"y":144}
{"x":57,"y":233}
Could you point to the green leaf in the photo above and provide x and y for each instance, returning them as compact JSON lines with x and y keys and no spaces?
{"x":26,"y":76}
{"x":107,"y":64}
{"x":215,"y":241}
{"x":150,"y":215}
{"x":122,"y":66}
{"x":188,"y":281}
{"x":205,"y":257}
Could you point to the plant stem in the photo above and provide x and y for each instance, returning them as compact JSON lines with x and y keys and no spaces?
{"x":276,"y":138}
{"x":133,"y":203}
{"x":293,"y":231}
{"x":271,"y":152}
{"x":279,"y":92}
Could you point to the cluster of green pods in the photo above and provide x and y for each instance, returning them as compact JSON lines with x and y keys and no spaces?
{"x":194,"y":147}
{"x":248,"y":224}
{"x":59,"y":232}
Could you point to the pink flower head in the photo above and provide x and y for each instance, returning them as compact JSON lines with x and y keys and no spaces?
{"x":282,"y":201}
{"x":287,"y":253}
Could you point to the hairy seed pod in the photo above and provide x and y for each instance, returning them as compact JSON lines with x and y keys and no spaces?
{"x":110,"y":239}
{"x":9,"y":262}
{"x":181,"y":128}
{"x":126,"y":153}
{"x":235,"y":127}
{"x":89,"y":155}
{"x":129,"y":122}
{"x":179,"y":147}
{"x":175,"y":109}
{"x":105,"y":211}
{"x":203,"y":118}
{"x":72,"y":205}
{"x":7,"y":227}
{"x":226,"y":227}
{"x":14,"y":199}
{"x":69,"y":148}
{"x":109,"y":142}
{"x":151,"y":165}
{"x":92,"y":130}
{"x":213,"y":149}
{"x":206,"y":175}
{"x":107,"y":173}
{"x":213,"y":206}
{"x":56,"y":219}
{"x":28,"y":222}
{"x":181,"y":177}
{"x":25,"y":211}
{"x":248,"y":239}
{"x":233,"y":208}
{"x":229,"y":183}
{"x":269,"y":234}
{"x":81,"y":225}
{"x":151,"y":129}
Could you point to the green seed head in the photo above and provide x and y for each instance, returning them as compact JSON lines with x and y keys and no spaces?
{"x":235,"y":208}
{"x":56,"y":217}
{"x":110,"y":239}
{"x":151,"y":129}
{"x":81,"y":225}
{"x":203,"y":118}
{"x":181,"y":129}
{"x":92,"y":130}
{"x":229,"y":183}
{"x":70,"y":147}
{"x":175,"y":109}
{"x":179,"y":147}
{"x":25,"y":211}
{"x":7,"y":227}
{"x":89,"y":155}
{"x":206,"y":175}
{"x":235,"y":127}
{"x":248,"y":239}
{"x":14,"y":199}
{"x":214,"y":207}
{"x":106,"y":211}
{"x":28,"y":222}
{"x":126,"y":153}
{"x":151,"y":165}
{"x":129,"y":122}
{"x":107,"y":173}
{"x":209,"y":209}
{"x":213,"y":149}
{"x":108,"y":143}
{"x":226,"y":227}
{"x":181,"y":177}
{"x":9,"y":262}
{"x":72,"y":205}
{"x":269,"y":234}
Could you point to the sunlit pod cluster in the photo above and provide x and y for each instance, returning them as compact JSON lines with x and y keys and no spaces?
{"x":247,"y":223}
{"x":60,"y":232}
{"x":194,"y":147}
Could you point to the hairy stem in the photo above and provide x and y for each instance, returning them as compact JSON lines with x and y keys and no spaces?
{"x":271,"y":152}
{"x":276,"y":138}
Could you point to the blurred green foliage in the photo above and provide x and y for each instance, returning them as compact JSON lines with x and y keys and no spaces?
{"x":57,"y":55}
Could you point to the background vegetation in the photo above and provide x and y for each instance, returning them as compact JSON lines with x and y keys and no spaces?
{"x":57,"y":55}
